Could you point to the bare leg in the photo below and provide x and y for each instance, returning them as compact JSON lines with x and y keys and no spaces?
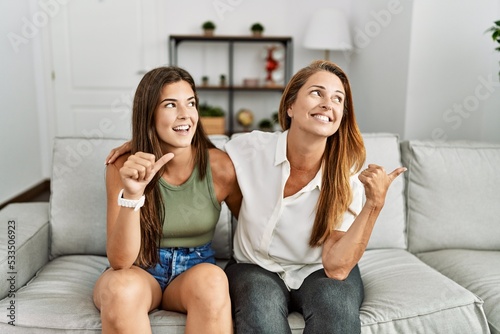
{"x":202,"y":292}
{"x":124,"y":298}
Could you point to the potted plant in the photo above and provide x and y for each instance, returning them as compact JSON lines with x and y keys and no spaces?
{"x":495,"y":35}
{"x":208,"y":28}
{"x":257,"y":29}
{"x":266,"y":125}
{"x":212,"y":118}
{"x":222,"y":80}
{"x":204,"y":80}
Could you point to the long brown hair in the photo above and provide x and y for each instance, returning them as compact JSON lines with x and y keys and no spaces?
{"x":145,"y":139}
{"x":344,"y":153}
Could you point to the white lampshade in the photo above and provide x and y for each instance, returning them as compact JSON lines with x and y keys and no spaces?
{"x":328,"y":29}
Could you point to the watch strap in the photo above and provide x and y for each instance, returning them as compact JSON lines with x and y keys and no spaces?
{"x":130,"y":203}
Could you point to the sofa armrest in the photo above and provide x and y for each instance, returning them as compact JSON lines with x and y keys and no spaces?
{"x":24,"y":244}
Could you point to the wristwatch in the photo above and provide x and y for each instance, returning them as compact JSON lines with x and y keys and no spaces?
{"x":130,"y":203}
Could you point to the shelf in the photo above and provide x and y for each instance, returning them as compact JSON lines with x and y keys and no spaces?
{"x":242,"y":88}
{"x":231,"y":40}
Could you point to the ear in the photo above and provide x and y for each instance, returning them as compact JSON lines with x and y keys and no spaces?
{"x":289,"y":112}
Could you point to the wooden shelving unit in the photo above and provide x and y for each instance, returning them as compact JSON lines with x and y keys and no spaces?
{"x":176,"y":40}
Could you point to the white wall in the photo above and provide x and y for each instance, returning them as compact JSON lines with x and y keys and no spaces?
{"x":234,"y":17}
{"x":453,"y":89}
{"x":379,"y":63}
{"x":408,"y":70}
{"x":22,"y":143}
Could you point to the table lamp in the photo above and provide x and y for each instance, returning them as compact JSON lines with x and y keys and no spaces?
{"x":328,"y":30}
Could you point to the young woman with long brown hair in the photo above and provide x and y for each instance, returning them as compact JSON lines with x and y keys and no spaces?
{"x":163,"y":205}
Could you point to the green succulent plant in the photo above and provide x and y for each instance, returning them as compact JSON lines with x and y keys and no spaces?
{"x":207,"y":110}
{"x":208,"y":25}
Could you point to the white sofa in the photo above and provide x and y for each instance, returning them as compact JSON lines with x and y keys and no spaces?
{"x":432,"y":264}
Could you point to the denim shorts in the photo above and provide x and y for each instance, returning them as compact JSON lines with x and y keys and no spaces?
{"x":176,"y":260}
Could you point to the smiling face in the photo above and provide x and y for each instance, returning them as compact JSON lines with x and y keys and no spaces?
{"x":319,"y":106}
{"x":176,"y":116}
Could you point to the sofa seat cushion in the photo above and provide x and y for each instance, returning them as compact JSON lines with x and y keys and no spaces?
{"x":404,"y":295}
{"x":477,"y":271}
{"x":59,"y":298}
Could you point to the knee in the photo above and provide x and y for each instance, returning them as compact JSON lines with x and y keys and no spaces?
{"x":210,"y":286}
{"x":121,"y":291}
{"x":256,"y":293}
{"x":339,"y":298}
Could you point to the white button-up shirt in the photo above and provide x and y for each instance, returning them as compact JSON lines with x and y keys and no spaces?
{"x":273,"y":232}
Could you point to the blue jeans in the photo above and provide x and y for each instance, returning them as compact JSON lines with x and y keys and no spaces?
{"x":176,"y":260}
{"x":261,"y":302}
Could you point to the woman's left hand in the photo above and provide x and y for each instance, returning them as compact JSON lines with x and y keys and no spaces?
{"x":376,"y":182}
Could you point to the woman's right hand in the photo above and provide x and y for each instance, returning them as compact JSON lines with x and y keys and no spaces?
{"x":116,"y":152}
{"x":138,"y":171}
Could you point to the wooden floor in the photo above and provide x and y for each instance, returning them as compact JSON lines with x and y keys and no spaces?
{"x":39,"y":193}
{"x":42,"y":197}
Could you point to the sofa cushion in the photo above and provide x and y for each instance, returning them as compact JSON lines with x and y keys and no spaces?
{"x":452,"y":195}
{"x":59,"y":299}
{"x":389,"y":230}
{"x":78,"y":195}
{"x":397,"y":290}
{"x":404,"y":295}
{"x":477,"y":271}
{"x":78,"y":199}
{"x":60,"y":296}
{"x":24,"y":243}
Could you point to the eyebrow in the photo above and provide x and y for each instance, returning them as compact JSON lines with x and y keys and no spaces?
{"x":169,"y":99}
{"x":324,"y":88}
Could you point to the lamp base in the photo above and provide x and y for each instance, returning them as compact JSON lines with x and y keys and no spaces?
{"x":327,"y":55}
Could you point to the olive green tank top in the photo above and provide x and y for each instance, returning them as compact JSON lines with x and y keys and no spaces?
{"x":191,"y":211}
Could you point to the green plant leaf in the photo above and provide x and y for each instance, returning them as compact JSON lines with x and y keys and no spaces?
{"x":495,"y":35}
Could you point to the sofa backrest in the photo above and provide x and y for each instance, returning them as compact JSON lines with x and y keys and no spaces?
{"x":453,"y":195}
{"x":389,"y":231}
{"x":78,"y":198}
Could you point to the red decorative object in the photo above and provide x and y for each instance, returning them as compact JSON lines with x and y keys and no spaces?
{"x":271,"y":65}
